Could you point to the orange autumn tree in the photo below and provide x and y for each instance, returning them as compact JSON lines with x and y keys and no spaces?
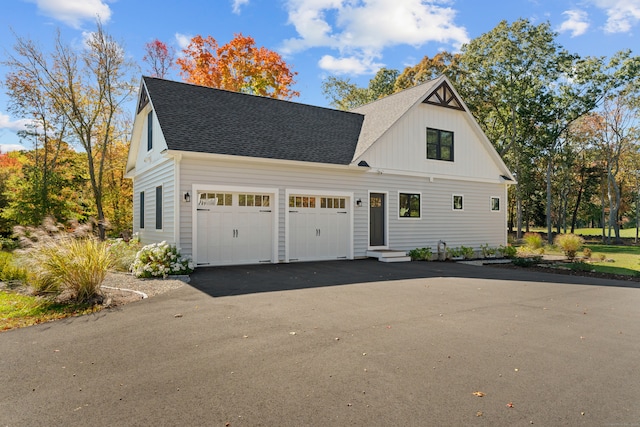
{"x":239,"y":66}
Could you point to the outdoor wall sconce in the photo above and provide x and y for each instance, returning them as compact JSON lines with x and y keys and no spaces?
{"x":359,"y":203}
{"x":187,"y":197}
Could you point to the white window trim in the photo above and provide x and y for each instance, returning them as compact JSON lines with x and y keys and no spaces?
{"x":491,"y":204}
{"x":453,"y":196}
{"x":409,"y":218}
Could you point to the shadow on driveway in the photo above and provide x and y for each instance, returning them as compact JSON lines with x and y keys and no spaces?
{"x":249,"y":279}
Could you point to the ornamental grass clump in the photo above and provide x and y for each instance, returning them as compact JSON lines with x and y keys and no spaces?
{"x":9,"y":271}
{"x":61,"y":259}
{"x":570,"y":244}
{"x":533,"y":241}
{"x":76,"y":267}
{"x":160,"y":260}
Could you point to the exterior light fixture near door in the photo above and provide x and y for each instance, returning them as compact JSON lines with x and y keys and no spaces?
{"x":359,"y":203}
{"x":187,"y":197}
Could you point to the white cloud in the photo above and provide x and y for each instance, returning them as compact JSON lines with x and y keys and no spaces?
{"x":361,"y":29}
{"x":183,"y":40}
{"x":73,"y":12}
{"x":12,"y":125}
{"x":349,"y":65}
{"x":622,"y":15}
{"x":237,"y":4}
{"x":5,"y":148}
{"x":577,"y":22}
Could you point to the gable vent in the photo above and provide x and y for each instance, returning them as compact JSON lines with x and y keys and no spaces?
{"x":444,"y":97}
{"x":144,"y":99}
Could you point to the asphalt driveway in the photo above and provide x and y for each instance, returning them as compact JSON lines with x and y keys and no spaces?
{"x":338,"y":343}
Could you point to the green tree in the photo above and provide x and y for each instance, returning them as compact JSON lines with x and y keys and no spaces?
{"x":345,"y":95}
{"x":443,"y":63}
{"x":66,"y":183}
{"x":88,"y":88}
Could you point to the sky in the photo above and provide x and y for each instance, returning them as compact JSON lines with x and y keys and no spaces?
{"x":317,"y":38}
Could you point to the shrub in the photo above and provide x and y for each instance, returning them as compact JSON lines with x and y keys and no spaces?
{"x":467,"y":252}
{"x":586,"y":253}
{"x":123,"y":253}
{"x":533,"y":241}
{"x":77,"y":266}
{"x":570,"y":244}
{"x":454,"y":252}
{"x":8,"y":244}
{"x":420,"y":254}
{"x":487,"y":251}
{"x":160,"y":260}
{"x":507,"y":251}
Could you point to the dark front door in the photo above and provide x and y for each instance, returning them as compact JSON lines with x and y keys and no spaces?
{"x":376,"y":219}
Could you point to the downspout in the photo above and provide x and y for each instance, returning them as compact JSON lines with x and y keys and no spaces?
{"x":177,"y":200}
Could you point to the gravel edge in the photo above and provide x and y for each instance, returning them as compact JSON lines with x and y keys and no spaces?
{"x":150,"y":287}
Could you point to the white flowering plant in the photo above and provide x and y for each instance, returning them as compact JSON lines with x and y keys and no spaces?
{"x":160,"y":260}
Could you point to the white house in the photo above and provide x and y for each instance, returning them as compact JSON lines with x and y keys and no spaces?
{"x":232,"y":178}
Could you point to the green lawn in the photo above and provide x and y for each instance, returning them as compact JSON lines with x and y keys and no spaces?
{"x":18,"y":310}
{"x":597,"y":232}
{"x":610,"y":259}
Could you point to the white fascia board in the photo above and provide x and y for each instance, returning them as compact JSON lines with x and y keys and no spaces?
{"x":226,"y":157}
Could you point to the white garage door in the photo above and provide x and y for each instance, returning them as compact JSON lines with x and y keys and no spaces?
{"x":318,"y":227}
{"x":234,"y":228}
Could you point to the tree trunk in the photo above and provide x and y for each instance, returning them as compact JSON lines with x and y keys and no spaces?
{"x":549,"y":231}
{"x":574,"y":215}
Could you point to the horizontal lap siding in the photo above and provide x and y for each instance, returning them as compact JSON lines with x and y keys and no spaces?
{"x":475,"y":226}
{"x":240,"y":174}
{"x":162,"y":175}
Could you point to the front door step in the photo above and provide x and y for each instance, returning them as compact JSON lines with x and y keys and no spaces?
{"x":389,"y":255}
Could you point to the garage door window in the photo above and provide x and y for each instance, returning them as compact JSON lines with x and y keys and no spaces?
{"x":332,"y":202}
{"x":254,"y":200}
{"x":302,"y":202}
{"x":215,"y":199}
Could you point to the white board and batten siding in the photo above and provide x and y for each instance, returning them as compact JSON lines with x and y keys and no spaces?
{"x":404,"y":146}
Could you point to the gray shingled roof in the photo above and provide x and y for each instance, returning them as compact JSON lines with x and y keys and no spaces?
{"x":201,"y":119}
{"x":380,"y":115}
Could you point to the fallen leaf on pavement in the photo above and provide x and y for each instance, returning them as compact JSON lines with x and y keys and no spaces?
{"x":509,"y":405}
{"x":478,"y":393}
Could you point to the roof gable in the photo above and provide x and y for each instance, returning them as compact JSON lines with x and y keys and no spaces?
{"x":380,"y":115}
{"x":385,"y":113}
{"x":202,"y":119}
